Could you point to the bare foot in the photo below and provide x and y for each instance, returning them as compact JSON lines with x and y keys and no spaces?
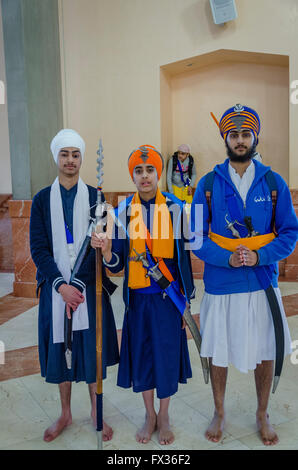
{"x":107,"y":431}
{"x":53,"y":431}
{"x":165,"y":434}
{"x":267,"y":433}
{"x":144,"y":435}
{"x":215,"y":430}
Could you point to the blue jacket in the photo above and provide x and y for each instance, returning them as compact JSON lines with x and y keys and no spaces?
{"x":219,"y":276}
{"x":41,"y":246}
{"x":120,"y":246}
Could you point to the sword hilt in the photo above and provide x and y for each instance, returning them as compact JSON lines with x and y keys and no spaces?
{"x":141,"y":257}
{"x":249,"y":226}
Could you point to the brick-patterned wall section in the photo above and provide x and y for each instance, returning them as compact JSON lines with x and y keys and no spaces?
{"x":290,"y":272}
{"x":6,"y":253}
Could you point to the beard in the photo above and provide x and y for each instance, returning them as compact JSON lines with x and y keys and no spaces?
{"x":241,"y":158}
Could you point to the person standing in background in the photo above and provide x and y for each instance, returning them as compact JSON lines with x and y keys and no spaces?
{"x":181,"y":174}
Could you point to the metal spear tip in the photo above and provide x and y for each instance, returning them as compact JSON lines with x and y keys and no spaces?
{"x":100,"y":147}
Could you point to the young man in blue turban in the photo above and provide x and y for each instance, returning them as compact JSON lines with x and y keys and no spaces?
{"x":251,"y":229}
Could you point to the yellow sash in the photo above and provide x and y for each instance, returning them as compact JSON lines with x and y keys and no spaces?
{"x":181,"y":193}
{"x":231,"y":244}
{"x":162,"y":240}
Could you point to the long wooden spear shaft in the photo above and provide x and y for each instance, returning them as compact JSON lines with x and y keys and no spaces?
{"x":99,"y":214}
{"x":99,"y":391}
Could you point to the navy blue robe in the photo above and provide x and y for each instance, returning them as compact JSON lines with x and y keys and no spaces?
{"x":154,"y":352}
{"x":52,"y":358}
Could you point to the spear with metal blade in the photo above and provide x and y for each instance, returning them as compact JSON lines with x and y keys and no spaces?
{"x":100,"y":214}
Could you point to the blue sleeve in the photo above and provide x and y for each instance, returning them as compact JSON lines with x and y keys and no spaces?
{"x":86,"y":273}
{"x":207,"y":250}
{"x":40,"y":245}
{"x":117,"y":261}
{"x":286,"y":225}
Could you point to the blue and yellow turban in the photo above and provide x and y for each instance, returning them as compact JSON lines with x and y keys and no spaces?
{"x":240,"y":117}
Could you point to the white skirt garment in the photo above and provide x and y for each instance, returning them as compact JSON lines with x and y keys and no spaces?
{"x":238,"y":329}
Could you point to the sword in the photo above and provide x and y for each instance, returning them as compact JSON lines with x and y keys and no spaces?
{"x":180,"y":302}
{"x":68,"y":321}
{"x":265,"y":281}
{"x":262,"y":273}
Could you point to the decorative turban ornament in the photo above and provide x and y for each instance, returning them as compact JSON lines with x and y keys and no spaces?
{"x":145,"y":154}
{"x":67,"y":138}
{"x":240,"y":117}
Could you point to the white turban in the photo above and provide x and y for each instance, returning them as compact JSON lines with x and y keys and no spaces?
{"x":67,"y":138}
{"x":185,"y":148}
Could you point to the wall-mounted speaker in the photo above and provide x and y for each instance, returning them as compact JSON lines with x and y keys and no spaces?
{"x":223,"y":10}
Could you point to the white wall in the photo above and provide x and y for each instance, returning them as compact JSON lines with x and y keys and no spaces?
{"x":112,"y":54}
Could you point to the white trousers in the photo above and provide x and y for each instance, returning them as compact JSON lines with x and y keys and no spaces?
{"x":238,"y":329}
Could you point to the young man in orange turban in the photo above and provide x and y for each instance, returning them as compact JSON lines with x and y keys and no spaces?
{"x":154,"y":352}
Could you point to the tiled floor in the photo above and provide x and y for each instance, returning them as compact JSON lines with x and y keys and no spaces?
{"x":28,"y":405}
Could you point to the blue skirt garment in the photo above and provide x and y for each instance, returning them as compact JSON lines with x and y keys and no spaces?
{"x":51,"y":356}
{"x":154,"y":351}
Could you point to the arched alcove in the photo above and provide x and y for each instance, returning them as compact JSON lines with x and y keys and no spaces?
{"x":193,"y":87}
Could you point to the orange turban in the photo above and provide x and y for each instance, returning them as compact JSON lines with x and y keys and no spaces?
{"x":145,"y":154}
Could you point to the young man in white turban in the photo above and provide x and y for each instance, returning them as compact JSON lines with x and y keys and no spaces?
{"x":59,"y":221}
